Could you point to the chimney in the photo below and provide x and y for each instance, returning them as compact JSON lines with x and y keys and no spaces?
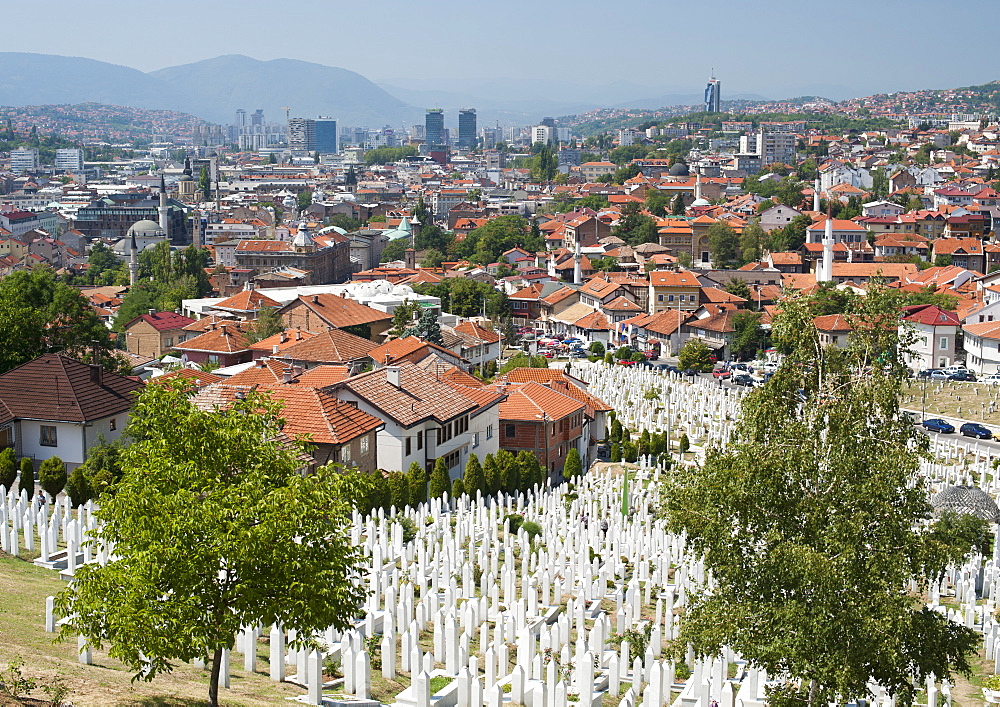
{"x":298,"y":334}
{"x":392,"y":375}
{"x":274,"y":349}
{"x":286,"y":375}
{"x":315,"y":299}
{"x":284,"y":337}
{"x":96,"y":374}
{"x":151,"y":312}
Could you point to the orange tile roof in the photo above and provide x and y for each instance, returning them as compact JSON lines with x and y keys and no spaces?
{"x":832,"y":322}
{"x":224,"y":339}
{"x":291,"y":337}
{"x":478,"y":331}
{"x":332,"y":346}
{"x":323,"y":376}
{"x":199,"y":378}
{"x":247,"y":301}
{"x":668,"y":278}
{"x":339,"y":311}
{"x":532,"y":402}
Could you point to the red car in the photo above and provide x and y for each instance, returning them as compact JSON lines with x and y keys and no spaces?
{"x":722,"y":373}
{"x":626,"y":362}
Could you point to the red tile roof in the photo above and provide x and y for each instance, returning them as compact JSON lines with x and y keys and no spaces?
{"x":333,"y":346}
{"x":532,"y":402}
{"x":163,"y":321}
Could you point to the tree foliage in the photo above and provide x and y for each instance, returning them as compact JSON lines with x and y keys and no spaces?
{"x":573,"y":466}
{"x":440,"y":482}
{"x":52,"y":476}
{"x":268,"y":323}
{"x":813,"y":526}
{"x":723,"y":242}
{"x":214,"y":529}
{"x":748,"y":335}
{"x":694,"y":355}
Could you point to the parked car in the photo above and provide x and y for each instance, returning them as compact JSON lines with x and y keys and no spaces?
{"x":962,"y":376}
{"x":669,"y":369}
{"x":548,"y":354}
{"x":626,"y":362}
{"x":974,"y":429}
{"x":577,"y":353}
{"x":722,"y":373}
{"x":744,"y":380}
{"x":690,"y":372}
{"x":991,"y":379}
{"x":926,"y":373}
{"x":938,"y":375}
{"x":936,"y":424}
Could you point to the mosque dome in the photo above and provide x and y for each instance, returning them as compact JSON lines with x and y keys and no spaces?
{"x":145,"y":228}
{"x":967,"y":499}
{"x":679,"y":169}
{"x":701,"y":202}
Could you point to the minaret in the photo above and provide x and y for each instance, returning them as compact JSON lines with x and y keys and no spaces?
{"x":577,"y":264}
{"x":697,"y":186}
{"x":816,"y":195}
{"x":825,"y":273}
{"x":164,"y":220}
{"x":133,"y":262}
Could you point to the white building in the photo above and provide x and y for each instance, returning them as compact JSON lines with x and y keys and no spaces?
{"x":935,"y":330}
{"x":23,"y":159}
{"x":69,"y":160}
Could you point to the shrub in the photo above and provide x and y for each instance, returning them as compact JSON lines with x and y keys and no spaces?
{"x":685,"y":444}
{"x":596,"y":348}
{"x":457,"y":488}
{"x":491,"y":474}
{"x":417,"y":480}
{"x":474,"y":479}
{"x":616,"y":452}
{"x":409,"y":527}
{"x":78,"y":487}
{"x":513,"y":521}
{"x":399,"y":490}
{"x":52,"y":476}
{"x":27,"y":483}
{"x":8,"y":468}
{"x":573,"y":466}
{"x":440,"y":482}
{"x":609,"y":358}
{"x":532,"y":529}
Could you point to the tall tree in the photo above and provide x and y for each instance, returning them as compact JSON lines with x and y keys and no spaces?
{"x":440,"y":482}
{"x":748,"y":335}
{"x":752,"y":242}
{"x":723,"y":242}
{"x":836,"y":517}
{"x":694,"y":355}
{"x":573,"y":466}
{"x":214,"y":528}
{"x":268,"y":323}
{"x":474,"y":478}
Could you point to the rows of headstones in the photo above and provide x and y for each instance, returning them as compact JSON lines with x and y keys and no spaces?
{"x":507,"y":619}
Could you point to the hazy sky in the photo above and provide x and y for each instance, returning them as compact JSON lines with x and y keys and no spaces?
{"x":769,"y":47}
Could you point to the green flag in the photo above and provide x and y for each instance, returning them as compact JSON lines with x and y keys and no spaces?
{"x":625,"y":496}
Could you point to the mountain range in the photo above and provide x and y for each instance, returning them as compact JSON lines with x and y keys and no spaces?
{"x":214,"y":89}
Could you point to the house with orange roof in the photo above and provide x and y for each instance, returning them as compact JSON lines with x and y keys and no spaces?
{"x":969,"y":253}
{"x":192,"y":376}
{"x":333,"y":346}
{"x":544,"y":421}
{"x":412,"y":349}
{"x":982,"y":347}
{"x":319,"y":311}
{"x":246,"y":304}
{"x":833,"y":329}
{"x":554,"y":303}
{"x":935,"y":331}
{"x":155,"y":333}
{"x":224,"y":344}
{"x":273,"y":345}
{"x":425,"y":418}
{"x":670,"y":289}
{"x":338,"y":432}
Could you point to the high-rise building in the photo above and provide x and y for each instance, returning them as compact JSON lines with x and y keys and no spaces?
{"x":326,"y":136}
{"x":241,"y":119}
{"x":69,"y":160}
{"x":713,"y":99}
{"x":302,"y":134}
{"x":258,"y":117}
{"x":543,"y":134}
{"x":434,"y":126}
{"x":23,"y":159}
{"x":467,"y":128}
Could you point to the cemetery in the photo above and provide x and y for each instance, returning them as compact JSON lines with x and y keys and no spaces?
{"x":565,"y":595}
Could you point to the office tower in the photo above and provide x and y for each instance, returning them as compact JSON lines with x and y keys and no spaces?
{"x":23,"y":159}
{"x":543,"y":134}
{"x":241,"y":119}
{"x":713,"y":99}
{"x":548,"y":122}
{"x":326,"y":136}
{"x":302,"y":134}
{"x":434,"y":126}
{"x":467,"y":128}
{"x":69,"y":160}
{"x":258,"y":117}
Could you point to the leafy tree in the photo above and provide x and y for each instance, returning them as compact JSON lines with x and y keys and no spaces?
{"x":344,"y":221}
{"x":625,"y":173}
{"x":487,"y":243}
{"x":510,"y":472}
{"x":304,"y":199}
{"x":416,"y":477}
{"x":930,"y":295}
{"x":530,"y":470}
{"x":426,"y":328}
{"x":104,"y":267}
{"x":677,"y":207}
{"x":474,"y":478}
{"x":695,"y":355}
{"x":431,"y":236}
{"x":394,"y":250}
{"x":404,"y":315}
{"x":544,"y":165}
{"x":616,"y":452}
{"x":39,"y":315}
{"x":752,"y":242}
{"x":8,"y":469}
{"x":205,"y":184}
{"x":52,"y":476}
{"x":433,"y":258}
{"x":596,"y":348}
{"x":457,"y":488}
{"x":657,"y":202}
{"x":386,"y":155}
{"x":573,"y":466}
{"x":268,"y":323}
{"x":791,"y":236}
{"x":835,"y":517}
{"x":967,"y":529}
{"x":26,"y":484}
{"x":523,"y":360}
{"x":635,"y":227}
{"x":739,"y":288}
{"x":723,"y":242}
{"x":214,"y":528}
{"x":684,"y":444}
{"x":942,"y":261}
{"x":748,"y":335}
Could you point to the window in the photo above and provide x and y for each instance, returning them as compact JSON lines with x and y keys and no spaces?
{"x":475,"y":439}
{"x":113,"y":424}
{"x":670,"y":298}
{"x":508,"y":430}
{"x":420,"y":439}
{"x":364,"y":444}
{"x":943,"y":345}
{"x":169,"y":341}
{"x":489,"y":432}
{"x":345,"y":454}
{"x":659,"y":298}
{"x":48,"y":436}
{"x":408,"y":448}
{"x":451,"y":460}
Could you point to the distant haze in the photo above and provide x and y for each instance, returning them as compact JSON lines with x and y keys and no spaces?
{"x":521,"y":56}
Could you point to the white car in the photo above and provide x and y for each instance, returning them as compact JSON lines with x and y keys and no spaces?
{"x":991,"y":379}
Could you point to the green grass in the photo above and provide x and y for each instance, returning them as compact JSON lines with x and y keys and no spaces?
{"x":23,"y":589}
{"x":439,"y":683}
